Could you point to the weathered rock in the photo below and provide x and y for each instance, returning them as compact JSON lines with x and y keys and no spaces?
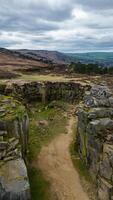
{"x":14,"y":184}
{"x":3,"y":145}
{"x":2,"y":125}
{"x":105,"y":189}
{"x":105,"y":169}
{"x":43,"y":123}
{"x":98,"y":97}
{"x":96,"y":113}
{"x":46,"y":91}
{"x":13,"y":145}
{"x":111,"y":101}
{"x":2,"y":133}
{"x":95,"y":138}
{"x":108,"y":149}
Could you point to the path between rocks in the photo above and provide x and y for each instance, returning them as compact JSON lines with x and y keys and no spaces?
{"x":56,"y":165}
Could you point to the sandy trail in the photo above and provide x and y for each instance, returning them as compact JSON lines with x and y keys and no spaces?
{"x":56,"y":164}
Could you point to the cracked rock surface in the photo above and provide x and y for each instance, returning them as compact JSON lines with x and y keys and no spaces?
{"x":14,"y":183}
{"x":95,"y":138}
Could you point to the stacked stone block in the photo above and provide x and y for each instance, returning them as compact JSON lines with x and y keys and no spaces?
{"x":95,"y":138}
{"x":14,"y":184}
{"x":45,"y":91}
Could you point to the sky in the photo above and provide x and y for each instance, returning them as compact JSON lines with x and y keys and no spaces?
{"x":63,"y":25}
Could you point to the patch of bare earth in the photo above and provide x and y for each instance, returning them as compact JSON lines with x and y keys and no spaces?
{"x":56,"y":165}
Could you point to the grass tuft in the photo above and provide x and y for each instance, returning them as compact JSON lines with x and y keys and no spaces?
{"x":39,"y":187}
{"x":79,"y":164}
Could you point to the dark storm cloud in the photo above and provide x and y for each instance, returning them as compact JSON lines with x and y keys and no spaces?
{"x":66,"y":25}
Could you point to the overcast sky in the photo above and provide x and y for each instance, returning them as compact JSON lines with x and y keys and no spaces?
{"x":64,"y":25}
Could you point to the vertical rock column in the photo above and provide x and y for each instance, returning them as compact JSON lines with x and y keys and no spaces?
{"x":95,"y":138}
{"x":14,"y":184}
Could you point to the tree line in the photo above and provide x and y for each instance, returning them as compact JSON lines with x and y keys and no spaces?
{"x":91,"y":68}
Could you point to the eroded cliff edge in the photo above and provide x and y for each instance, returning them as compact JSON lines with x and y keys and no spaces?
{"x":95,"y":138}
{"x":14,"y":125}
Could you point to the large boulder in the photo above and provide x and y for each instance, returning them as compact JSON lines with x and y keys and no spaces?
{"x":14,"y":184}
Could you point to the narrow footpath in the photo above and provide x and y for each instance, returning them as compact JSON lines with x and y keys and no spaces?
{"x":57,"y":167}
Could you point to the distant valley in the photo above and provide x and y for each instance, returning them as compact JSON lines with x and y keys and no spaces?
{"x":103,"y":58}
{"x":55,"y":57}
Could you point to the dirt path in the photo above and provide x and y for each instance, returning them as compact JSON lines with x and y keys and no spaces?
{"x":56,"y":164}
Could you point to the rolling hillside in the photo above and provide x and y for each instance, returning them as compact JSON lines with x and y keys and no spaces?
{"x":53,"y":56}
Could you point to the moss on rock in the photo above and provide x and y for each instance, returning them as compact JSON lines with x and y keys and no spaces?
{"x":10,"y":108}
{"x":14,"y":125}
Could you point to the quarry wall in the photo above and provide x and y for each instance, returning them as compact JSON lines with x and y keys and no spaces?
{"x":14,"y":125}
{"x":45,"y":91}
{"x":95,"y":138}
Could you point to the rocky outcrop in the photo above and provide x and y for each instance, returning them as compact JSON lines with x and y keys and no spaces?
{"x":95,"y":138}
{"x":45,"y":91}
{"x":14,"y":184}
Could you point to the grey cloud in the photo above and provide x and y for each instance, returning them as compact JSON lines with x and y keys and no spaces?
{"x":36,"y":23}
{"x":32,"y":18}
{"x":96,"y":4}
{"x":99,"y":26}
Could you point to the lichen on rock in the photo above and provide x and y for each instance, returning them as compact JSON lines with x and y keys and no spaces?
{"x":14,"y":184}
{"x":46,"y":91}
{"x":95,"y":125}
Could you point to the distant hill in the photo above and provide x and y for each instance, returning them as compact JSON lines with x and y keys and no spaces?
{"x":102,"y":58}
{"x":15,"y":60}
{"x":53,"y":56}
